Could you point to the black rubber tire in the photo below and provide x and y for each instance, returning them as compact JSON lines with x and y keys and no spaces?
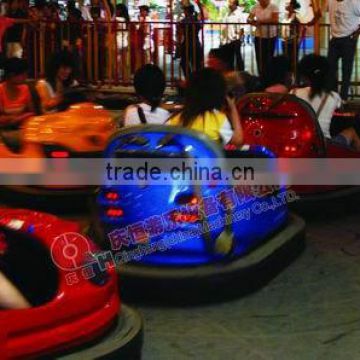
{"x":54,"y":201}
{"x":123,"y":341}
{"x":215,"y":282}
{"x":321,"y":205}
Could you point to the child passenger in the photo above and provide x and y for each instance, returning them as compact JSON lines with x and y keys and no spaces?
{"x":149,"y":82}
{"x":280,"y":78}
{"x":205,"y":100}
{"x":10,"y":296}
{"x":15,"y":97}
{"x":314,"y":71}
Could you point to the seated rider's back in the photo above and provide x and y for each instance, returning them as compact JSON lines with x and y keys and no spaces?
{"x":133,"y":115}
{"x":214,"y":124}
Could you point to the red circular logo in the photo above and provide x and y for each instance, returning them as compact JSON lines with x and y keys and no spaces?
{"x":69,"y":251}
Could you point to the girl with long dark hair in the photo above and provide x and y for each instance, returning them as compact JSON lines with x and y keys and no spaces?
{"x":205,"y":100}
{"x":314,"y":72}
{"x":59,"y":78}
{"x":149,"y":83}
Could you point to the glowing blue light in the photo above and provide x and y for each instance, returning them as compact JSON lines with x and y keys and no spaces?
{"x":188,"y":246}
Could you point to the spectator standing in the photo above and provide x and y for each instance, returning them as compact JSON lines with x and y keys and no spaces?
{"x":97,"y":40}
{"x":73,"y":35}
{"x":233,"y":34}
{"x":345,"y":28}
{"x":15,"y":34}
{"x":189,"y":48}
{"x":5,"y":23}
{"x":85,"y":11}
{"x":3,"y":8}
{"x":36,"y":36}
{"x":294,"y":31}
{"x":74,"y":18}
{"x":265,"y":16}
{"x":291,"y":31}
{"x":144,"y":33}
{"x":122,"y":39}
{"x":54,"y":26}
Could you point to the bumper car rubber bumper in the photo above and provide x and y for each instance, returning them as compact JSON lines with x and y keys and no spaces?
{"x":123,"y":340}
{"x":213,"y":282}
{"x":47,"y":199}
{"x":345,"y":198}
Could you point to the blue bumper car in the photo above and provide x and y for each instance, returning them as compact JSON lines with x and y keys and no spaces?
{"x":192,"y":235}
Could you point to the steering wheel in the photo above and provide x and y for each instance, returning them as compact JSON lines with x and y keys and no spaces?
{"x":163,"y":139}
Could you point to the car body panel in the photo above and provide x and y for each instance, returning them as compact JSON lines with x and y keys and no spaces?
{"x":81,"y":131}
{"x":288,"y":127}
{"x":137,"y":202}
{"x":77,"y":313}
{"x":83,"y":128}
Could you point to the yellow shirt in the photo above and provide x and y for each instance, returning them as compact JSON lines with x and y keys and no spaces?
{"x":214,"y":124}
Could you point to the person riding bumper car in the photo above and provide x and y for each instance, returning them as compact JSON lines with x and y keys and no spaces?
{"x":288,"y":127}
{"x":215,"y":238}
{"x":81,"y":131}
{"x":73,"y":309}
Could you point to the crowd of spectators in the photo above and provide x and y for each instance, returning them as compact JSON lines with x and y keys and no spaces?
{"x":47,"y":27}
{"x":107,"y":43}
{"x":220,"y":84}
{"x":212,"y":92}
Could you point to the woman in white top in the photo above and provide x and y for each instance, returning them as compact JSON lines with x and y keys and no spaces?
{"x":265,"y":16}
{"x":144,"y":34}
{"x":122,"y":38}
{"x":293,"y":31}
{"x":59,"y":78}
{"x":149,"y":82}
{"x":314,"y":70}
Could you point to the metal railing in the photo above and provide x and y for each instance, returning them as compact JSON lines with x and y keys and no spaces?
{"x":108,"y":53}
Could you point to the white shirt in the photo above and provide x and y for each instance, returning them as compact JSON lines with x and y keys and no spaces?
{"x":85,"y":13}
{"x":157,"y":117}
{"x":265,"y":16}
{"x":332,"y":103}
{"x":226,"y":131}
{"x":146,"y":28}
{"x":122,"y":34}
{"x":232,"y":32}
{"x":286,"y":30}
{"x":344,"y":17}
{"x":3,"y":8}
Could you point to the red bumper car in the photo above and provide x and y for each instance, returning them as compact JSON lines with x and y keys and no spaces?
{"x":288,"y":127}
{"x":75,"y":309}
